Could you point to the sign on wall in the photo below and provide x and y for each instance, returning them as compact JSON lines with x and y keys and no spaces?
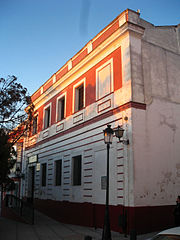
{"x":33,"y":159}
{"x":103,"y":182}
{"x":38,"y":167}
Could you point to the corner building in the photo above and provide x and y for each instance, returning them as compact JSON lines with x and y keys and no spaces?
{"x":127,"y":75}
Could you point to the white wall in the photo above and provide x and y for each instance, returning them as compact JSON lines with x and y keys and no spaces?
{"x":156,"y":137}
{"x":156,"y":131}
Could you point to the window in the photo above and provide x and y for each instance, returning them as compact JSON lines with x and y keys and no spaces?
{"x":79,"y":96}
{"x":47,"y":117}
{"x":43,"y":176}
{"x":61,"y":108}
{"x":58,"y":172}
{"x":35,"y":121}
{"x":104,"y":79}
{"x":76,"y":162}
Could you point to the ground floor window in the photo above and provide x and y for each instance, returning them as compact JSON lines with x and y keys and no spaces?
{"x":43,"y":176}
{"x":77,"y":165}
{"x":58,"y":172}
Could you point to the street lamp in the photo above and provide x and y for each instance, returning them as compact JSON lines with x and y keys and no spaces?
{"x":18,"y":173}
{"x":108,"y":137}
{"x":119,"y":134}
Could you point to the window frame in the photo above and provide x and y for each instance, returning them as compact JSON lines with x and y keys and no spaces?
{"x":57,"y":107}
{"x":109,"y":62}
{"x":75,"y":90}
{"x":76,"y":181}
{"x":56,"y":183}
{"x":35,"y":117}
{"x":43,"y":175}
{"x":44,"y":115}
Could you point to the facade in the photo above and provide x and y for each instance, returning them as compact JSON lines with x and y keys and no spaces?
{"x":127,"y":75}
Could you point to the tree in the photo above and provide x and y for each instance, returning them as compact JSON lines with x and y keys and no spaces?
{"x":14,"y":122}
{"x":7,"y":158}
{"x":13,"y":100}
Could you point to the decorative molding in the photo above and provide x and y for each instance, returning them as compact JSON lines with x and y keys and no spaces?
{"x":99,"y":117}
{"x":69,"y":65}
{"x":89,"y":47}
{"x":122,"y":20}
{"x":59,"y":127}
{"x":111,"y":72}
{"x":54,"y":78}
{"x":103,"y":106}
{"x":45,"y":134}
{"x":78,"y":118}
{"x":42,"y":90}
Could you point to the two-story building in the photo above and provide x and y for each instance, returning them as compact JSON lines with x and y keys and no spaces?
{"x":127,"y":75}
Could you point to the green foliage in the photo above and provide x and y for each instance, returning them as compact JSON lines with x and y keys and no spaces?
{"x":14,"y":122}
{"x":7,"y":157}
{"x":13,"y":100}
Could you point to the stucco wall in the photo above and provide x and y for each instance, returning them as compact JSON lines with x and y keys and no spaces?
{"x":156,"y":137}
{"x":156,"y":131}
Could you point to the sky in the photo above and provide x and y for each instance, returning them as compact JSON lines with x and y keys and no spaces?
{"x":37,"y":37}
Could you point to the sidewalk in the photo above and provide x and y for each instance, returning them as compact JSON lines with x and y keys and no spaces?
{"x":46,"y":228}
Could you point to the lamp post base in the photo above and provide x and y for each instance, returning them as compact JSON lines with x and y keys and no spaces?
{"x":106,"y":235}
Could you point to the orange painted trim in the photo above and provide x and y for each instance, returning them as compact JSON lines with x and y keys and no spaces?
{"x":106,"y":34}
{"x":47,"y":85}
{"x":36,"y":95}
{"x":82,"y":55}
{"x":61,"y":73}
{"x":127,"y":17}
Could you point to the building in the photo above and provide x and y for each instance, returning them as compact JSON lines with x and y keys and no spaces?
{"x":127,"y":75}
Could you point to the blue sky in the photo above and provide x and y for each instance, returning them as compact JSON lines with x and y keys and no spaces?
{"x":37,"y":37}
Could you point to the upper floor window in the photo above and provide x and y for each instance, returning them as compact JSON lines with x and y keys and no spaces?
{"x":79,"y":95}
{"x":61,"y":107}
{"x":77,"y":168}
{"x":47,"y":116}
{"x":35,"y":125}
{"x":104,"y":79}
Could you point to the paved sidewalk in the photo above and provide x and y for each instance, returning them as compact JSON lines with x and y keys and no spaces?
{"x":46,"y":228}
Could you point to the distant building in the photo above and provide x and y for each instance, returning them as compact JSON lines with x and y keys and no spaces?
{"x":127,"y":75}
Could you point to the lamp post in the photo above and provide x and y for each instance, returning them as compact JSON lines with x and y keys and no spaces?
{"x":19,"y":176}
{"x":108,"y":137}
{"x":18,"y":172}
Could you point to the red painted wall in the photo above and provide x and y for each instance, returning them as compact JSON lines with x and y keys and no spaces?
{"x":142,"y":219}
{"x":106,"y":34}
{"x":61,"y":73}
{"x":90,"y":97}
{"x":48,"y":85}
{"x":79,"y":57}
{"x":36,"y":95}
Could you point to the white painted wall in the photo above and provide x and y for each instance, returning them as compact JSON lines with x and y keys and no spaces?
{"x":156,"y":132}
{"x":156,"y":137}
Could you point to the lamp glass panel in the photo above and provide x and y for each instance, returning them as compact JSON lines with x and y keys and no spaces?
{"x":108,"y":137}
{"x":119,"y":132}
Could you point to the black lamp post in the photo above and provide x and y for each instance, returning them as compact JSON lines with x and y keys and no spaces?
{"x":19,"y":174}
{"x":108,"y":136}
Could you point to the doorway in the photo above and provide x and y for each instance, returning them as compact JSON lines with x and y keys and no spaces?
{"x":31,"y":180}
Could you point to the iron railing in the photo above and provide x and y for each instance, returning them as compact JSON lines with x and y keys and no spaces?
{"x":22,"y":208}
